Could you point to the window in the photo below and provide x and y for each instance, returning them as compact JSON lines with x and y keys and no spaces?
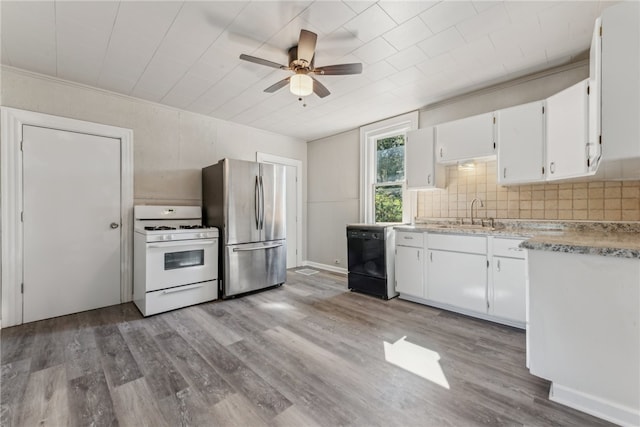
{"x":389,"y":179}
{"x":383,"y":196}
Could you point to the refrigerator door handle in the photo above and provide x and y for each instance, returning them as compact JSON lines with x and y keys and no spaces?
{"x":256,"y":199}
{"x":257,"y":248}
{"x":261,"y":203}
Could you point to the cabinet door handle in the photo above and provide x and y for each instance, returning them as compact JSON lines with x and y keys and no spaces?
{"x":552,"y":167}
{"x":504,"y":173}
{"x":429,"y":179}
{"x":431,"y":256}
{"x":440,"y":151}
{"x":498,"y":265}
{"x":418,"y":253}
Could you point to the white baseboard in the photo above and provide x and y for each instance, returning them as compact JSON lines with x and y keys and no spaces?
{"x":595,"y":406}
{"x":327,"y":267}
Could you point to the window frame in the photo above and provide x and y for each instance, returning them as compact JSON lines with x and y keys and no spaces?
{"x":369,"y":135}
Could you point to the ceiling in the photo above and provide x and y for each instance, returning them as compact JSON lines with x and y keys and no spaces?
{"x":185,"y":54}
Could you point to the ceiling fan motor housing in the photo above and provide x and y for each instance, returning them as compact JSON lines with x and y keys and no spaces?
{"x":295,"y":64}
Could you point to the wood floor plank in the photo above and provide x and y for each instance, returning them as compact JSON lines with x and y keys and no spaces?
{"x":194,"y":369}
{"x":17,"y":342}
{"x":90,"y":402}
{"x":117,"y":361}
{"x":267,"y":400}
{"x":13,"y":383}
{"x":82,"y":356}
{"x":185,"y":408}
{"x":135,"y":405}
{"x":45,"y":400}
{"x":49,"y":342}
{"x":235,"y":410}
{"x":162,"y":377}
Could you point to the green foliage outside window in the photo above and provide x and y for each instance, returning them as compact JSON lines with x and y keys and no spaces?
{"x":389,"y":169}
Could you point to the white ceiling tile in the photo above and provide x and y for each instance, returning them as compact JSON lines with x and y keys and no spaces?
{"x":115,"y":82}
{"x":148,"y":19}
{"x":442,"y":42}
{"x":407,"y":58}
{"x":482,"y":5}
{"x":476,"y":52}
{"x":328,"y":16}
{"x":408,"y":34}
{"x":522,"y":10}
{"x":401,"y":11}
{"x":160,"y":76}
{"x":186,"y":91}
{"x":447,"y":14}
{"x":271,"y":16}
{"x":374,"y":51}
{"x":336,"y":45}
{"x":370,"y":24}
{"x":492,"y":19}
{"x":97,"y":15}
{"x":359,"y":6}
{"x":379,"y":70}
{"x":439,"y":64}
{"x":410,"y":75}
{"x":514,"y":34}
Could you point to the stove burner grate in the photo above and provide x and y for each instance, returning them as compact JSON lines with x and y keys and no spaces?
{"x":159,"y":227}
{"x":191,"y":227}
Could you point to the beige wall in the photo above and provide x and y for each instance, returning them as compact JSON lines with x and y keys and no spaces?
{"x":610,"y":201}
{"x":333,"y":201}
{"x":170,"y":145}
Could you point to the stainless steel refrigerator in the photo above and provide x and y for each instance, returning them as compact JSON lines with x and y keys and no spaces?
{"x":246,"y":201}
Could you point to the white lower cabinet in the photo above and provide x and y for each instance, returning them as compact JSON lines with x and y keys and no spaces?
{"x":409,"y":271}
{"x":508,"y":292}
{"x":409,"y":264}
{"x":508,"y":280}
{"x":481,"y":276}
{"x":458,"y":279}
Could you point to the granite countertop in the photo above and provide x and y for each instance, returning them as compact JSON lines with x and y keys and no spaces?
{"x":618,"y":239}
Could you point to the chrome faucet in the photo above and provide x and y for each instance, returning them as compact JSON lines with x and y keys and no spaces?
{"x":471,"y":208}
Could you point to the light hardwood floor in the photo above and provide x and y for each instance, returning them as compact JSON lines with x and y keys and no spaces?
{"x":309,"y":353}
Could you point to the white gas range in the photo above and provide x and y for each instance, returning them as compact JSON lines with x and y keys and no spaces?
{"x":175,"y":258}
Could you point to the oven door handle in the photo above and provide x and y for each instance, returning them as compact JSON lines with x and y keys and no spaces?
{"x":181,"y":289}
{"x":257,"y":248}
{"x":184,"y":243}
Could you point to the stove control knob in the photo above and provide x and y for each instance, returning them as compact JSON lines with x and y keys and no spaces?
{"x":202,"y":235}
{"x":166,"y":237}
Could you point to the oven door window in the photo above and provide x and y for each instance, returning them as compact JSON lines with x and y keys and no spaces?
{"x":183,"y":259}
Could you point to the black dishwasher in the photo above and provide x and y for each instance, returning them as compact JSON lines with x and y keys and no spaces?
{"x":370,"y":259}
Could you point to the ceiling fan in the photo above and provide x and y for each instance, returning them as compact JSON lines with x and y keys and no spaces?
{"x":301,"y":62}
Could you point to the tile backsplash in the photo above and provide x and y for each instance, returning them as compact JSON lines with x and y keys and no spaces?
{"x":608,"y":201}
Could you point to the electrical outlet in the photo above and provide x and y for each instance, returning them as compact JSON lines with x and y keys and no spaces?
{"x":337,"y":261}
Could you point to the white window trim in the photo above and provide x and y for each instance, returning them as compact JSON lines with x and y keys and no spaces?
{"x":368,"y":135}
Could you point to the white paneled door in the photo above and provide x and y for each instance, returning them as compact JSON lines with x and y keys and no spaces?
{"x":292,"y":207}
{"x":71,"y":205}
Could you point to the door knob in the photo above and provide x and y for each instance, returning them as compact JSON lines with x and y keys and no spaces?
{"x":114,"y":225}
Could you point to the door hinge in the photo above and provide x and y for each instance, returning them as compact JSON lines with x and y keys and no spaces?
{"x":588,"y":90}
{"x":600,"y":30}
{"x":22,"y":216}
{"x":494,"y":145}
{"x":600,"y":139}
{"x":494,"y":120}
{"x":543,"y":170}
{"x":543,"y":109}
{"x":487,"y":263}
{"x":21,"y":145}
{"x":487,"y":304}
{"x":22,"y":288}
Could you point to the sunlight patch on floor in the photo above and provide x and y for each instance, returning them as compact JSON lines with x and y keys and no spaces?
{"x":417,"y":360}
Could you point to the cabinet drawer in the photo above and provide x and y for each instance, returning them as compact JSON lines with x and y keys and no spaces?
{"x":457,"y":243}
{"x":407,"y":238}
{"x":182,"y":296}
{"x":508,"y":248}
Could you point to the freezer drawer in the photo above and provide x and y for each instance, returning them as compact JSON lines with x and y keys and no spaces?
{"x":180,"y":296}
{"x":254,"y":266}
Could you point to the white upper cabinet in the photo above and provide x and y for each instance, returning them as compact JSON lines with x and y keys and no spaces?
{"x":465,"y":139}
{"x":621,"y":83}
{"x":567,"y":132}
{"x":520,"y":139}
{"x":422,"y":170}
{"x":595,"y":86}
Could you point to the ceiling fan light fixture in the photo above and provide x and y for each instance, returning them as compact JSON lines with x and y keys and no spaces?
{"x":301,"y":85}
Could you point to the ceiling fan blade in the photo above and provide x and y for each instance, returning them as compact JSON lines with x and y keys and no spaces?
{"x":307,"y":45}
{"x":276,"y":86}
{"x":319,"y":89}
{"x":263,"y":62}
{"x":340,"y":69}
